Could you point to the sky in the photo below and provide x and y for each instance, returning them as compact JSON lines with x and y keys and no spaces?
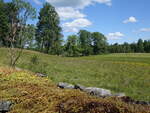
{"x":119,"y":20}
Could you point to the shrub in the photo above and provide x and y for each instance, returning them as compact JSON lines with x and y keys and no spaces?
{"x":34,"y":59}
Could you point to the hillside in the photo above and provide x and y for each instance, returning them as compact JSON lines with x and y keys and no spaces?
{"x":32,"y":94}
{"x":128,"y":73}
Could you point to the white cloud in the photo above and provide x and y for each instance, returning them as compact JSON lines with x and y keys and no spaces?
{"x":79,"y":4}
{"x":144,"y":30}
{"x":107,"y":2}
{"x":75,"y":25}
{"x":71,"y":9}
{"x":37,"y":2}
{"x":115,"y":36}
{"x":141,"y":30}
{"x":130,"y":20}
{"x":69,"y":13}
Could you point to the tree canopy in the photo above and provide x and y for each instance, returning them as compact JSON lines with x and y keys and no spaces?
{"x":46,"y":36}
{"x":48,"y":33}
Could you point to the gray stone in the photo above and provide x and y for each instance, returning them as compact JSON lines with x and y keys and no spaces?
{"x":65,"y":85}
{"x":142,"y":102}
{"x":80,"y":87}
{"x":5,"y":106}
{"x":41,"y":75}
{"x":99,"y":92}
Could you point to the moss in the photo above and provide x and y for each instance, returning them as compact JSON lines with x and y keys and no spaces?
{"x":32,"y":94}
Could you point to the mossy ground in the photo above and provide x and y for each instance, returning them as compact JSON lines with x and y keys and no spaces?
{"x":128,"y":73}
{"x":32,"y":94}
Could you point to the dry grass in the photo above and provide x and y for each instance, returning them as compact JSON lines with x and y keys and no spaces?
{"x":32,"y":94}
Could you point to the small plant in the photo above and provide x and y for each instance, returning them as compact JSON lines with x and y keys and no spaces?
{"x":42,"y":68}
{"x":34,"y":59}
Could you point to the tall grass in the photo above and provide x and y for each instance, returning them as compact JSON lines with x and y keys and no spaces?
{"x":128,"y":73}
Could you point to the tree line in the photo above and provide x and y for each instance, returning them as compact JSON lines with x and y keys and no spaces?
{"x":142,"y":46}
{"x":46,"y":36}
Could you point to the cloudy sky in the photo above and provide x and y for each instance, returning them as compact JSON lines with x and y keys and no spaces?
{"x":119,"y":20}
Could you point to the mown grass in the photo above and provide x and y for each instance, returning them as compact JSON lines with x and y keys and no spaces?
{"x":128,"y":73}
{"x":32,"y":94}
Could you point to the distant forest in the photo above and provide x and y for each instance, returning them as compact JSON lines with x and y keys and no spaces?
{"x":46,"y":36}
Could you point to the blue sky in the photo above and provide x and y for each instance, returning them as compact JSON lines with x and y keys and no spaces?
{"x":119,"y":20}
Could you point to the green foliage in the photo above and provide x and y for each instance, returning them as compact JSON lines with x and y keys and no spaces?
{"x":99,"y":43}
{"x":29,"y":41}
{"x":47,"y":36}
{"x":23,"y":12}
{"x":34,"y":59}
{"x":3,"y":24}
{"x":48,"y":33}
{"x":85,"y":42}
{"x":13,"y":17}
{"x":147,"y":46}
{"x":71,"y":46}
{"x":140,"y":46}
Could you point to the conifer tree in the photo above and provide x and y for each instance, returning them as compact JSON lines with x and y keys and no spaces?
{"x":48,"y":33}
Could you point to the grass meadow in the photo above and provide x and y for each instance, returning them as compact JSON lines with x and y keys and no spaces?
{"x":128,"y":73}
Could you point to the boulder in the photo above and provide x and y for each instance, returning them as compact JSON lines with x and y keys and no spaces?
{"x":141,"y":102}
{"x":80,"y":87}
{"x":5,"y":106}
{"x":99,"y":92}
{"x":65,"y":85}
{"x":127,"y":99}
{"x":41,"y":75}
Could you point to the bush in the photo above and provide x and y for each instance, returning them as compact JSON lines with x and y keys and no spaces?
{"x":34,"y":59}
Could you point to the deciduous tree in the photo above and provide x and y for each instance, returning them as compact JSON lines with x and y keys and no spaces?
{"x":19,"y":12}
{"x":99,"y":43}
{"x":85,"y":42}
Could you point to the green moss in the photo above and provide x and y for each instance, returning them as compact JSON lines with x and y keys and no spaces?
{"x":32,"y":94}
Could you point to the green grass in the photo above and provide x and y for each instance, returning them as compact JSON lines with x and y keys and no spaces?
{"x":128,"y":73}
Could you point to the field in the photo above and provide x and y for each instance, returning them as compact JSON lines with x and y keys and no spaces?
{"x":128,"y":73}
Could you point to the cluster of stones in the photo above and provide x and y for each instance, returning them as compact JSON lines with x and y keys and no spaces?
{"x":5,"y":106}
{"x":100,"y":92}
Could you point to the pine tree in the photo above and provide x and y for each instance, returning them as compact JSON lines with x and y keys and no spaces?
{"x":48,"y":33}
{"x":140,"y":46}
{"x":3,"y":23}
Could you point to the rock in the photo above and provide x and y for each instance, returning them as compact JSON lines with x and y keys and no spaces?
{"x":41,"y":75}
{"x":119,"y":94}
{"x":80,"y":87}
{"x":5,"y":106}
{"x":65,"y":85}
{"x":99,"y":92}
{"x":142,"y":102}
{"x":127,"y":99}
